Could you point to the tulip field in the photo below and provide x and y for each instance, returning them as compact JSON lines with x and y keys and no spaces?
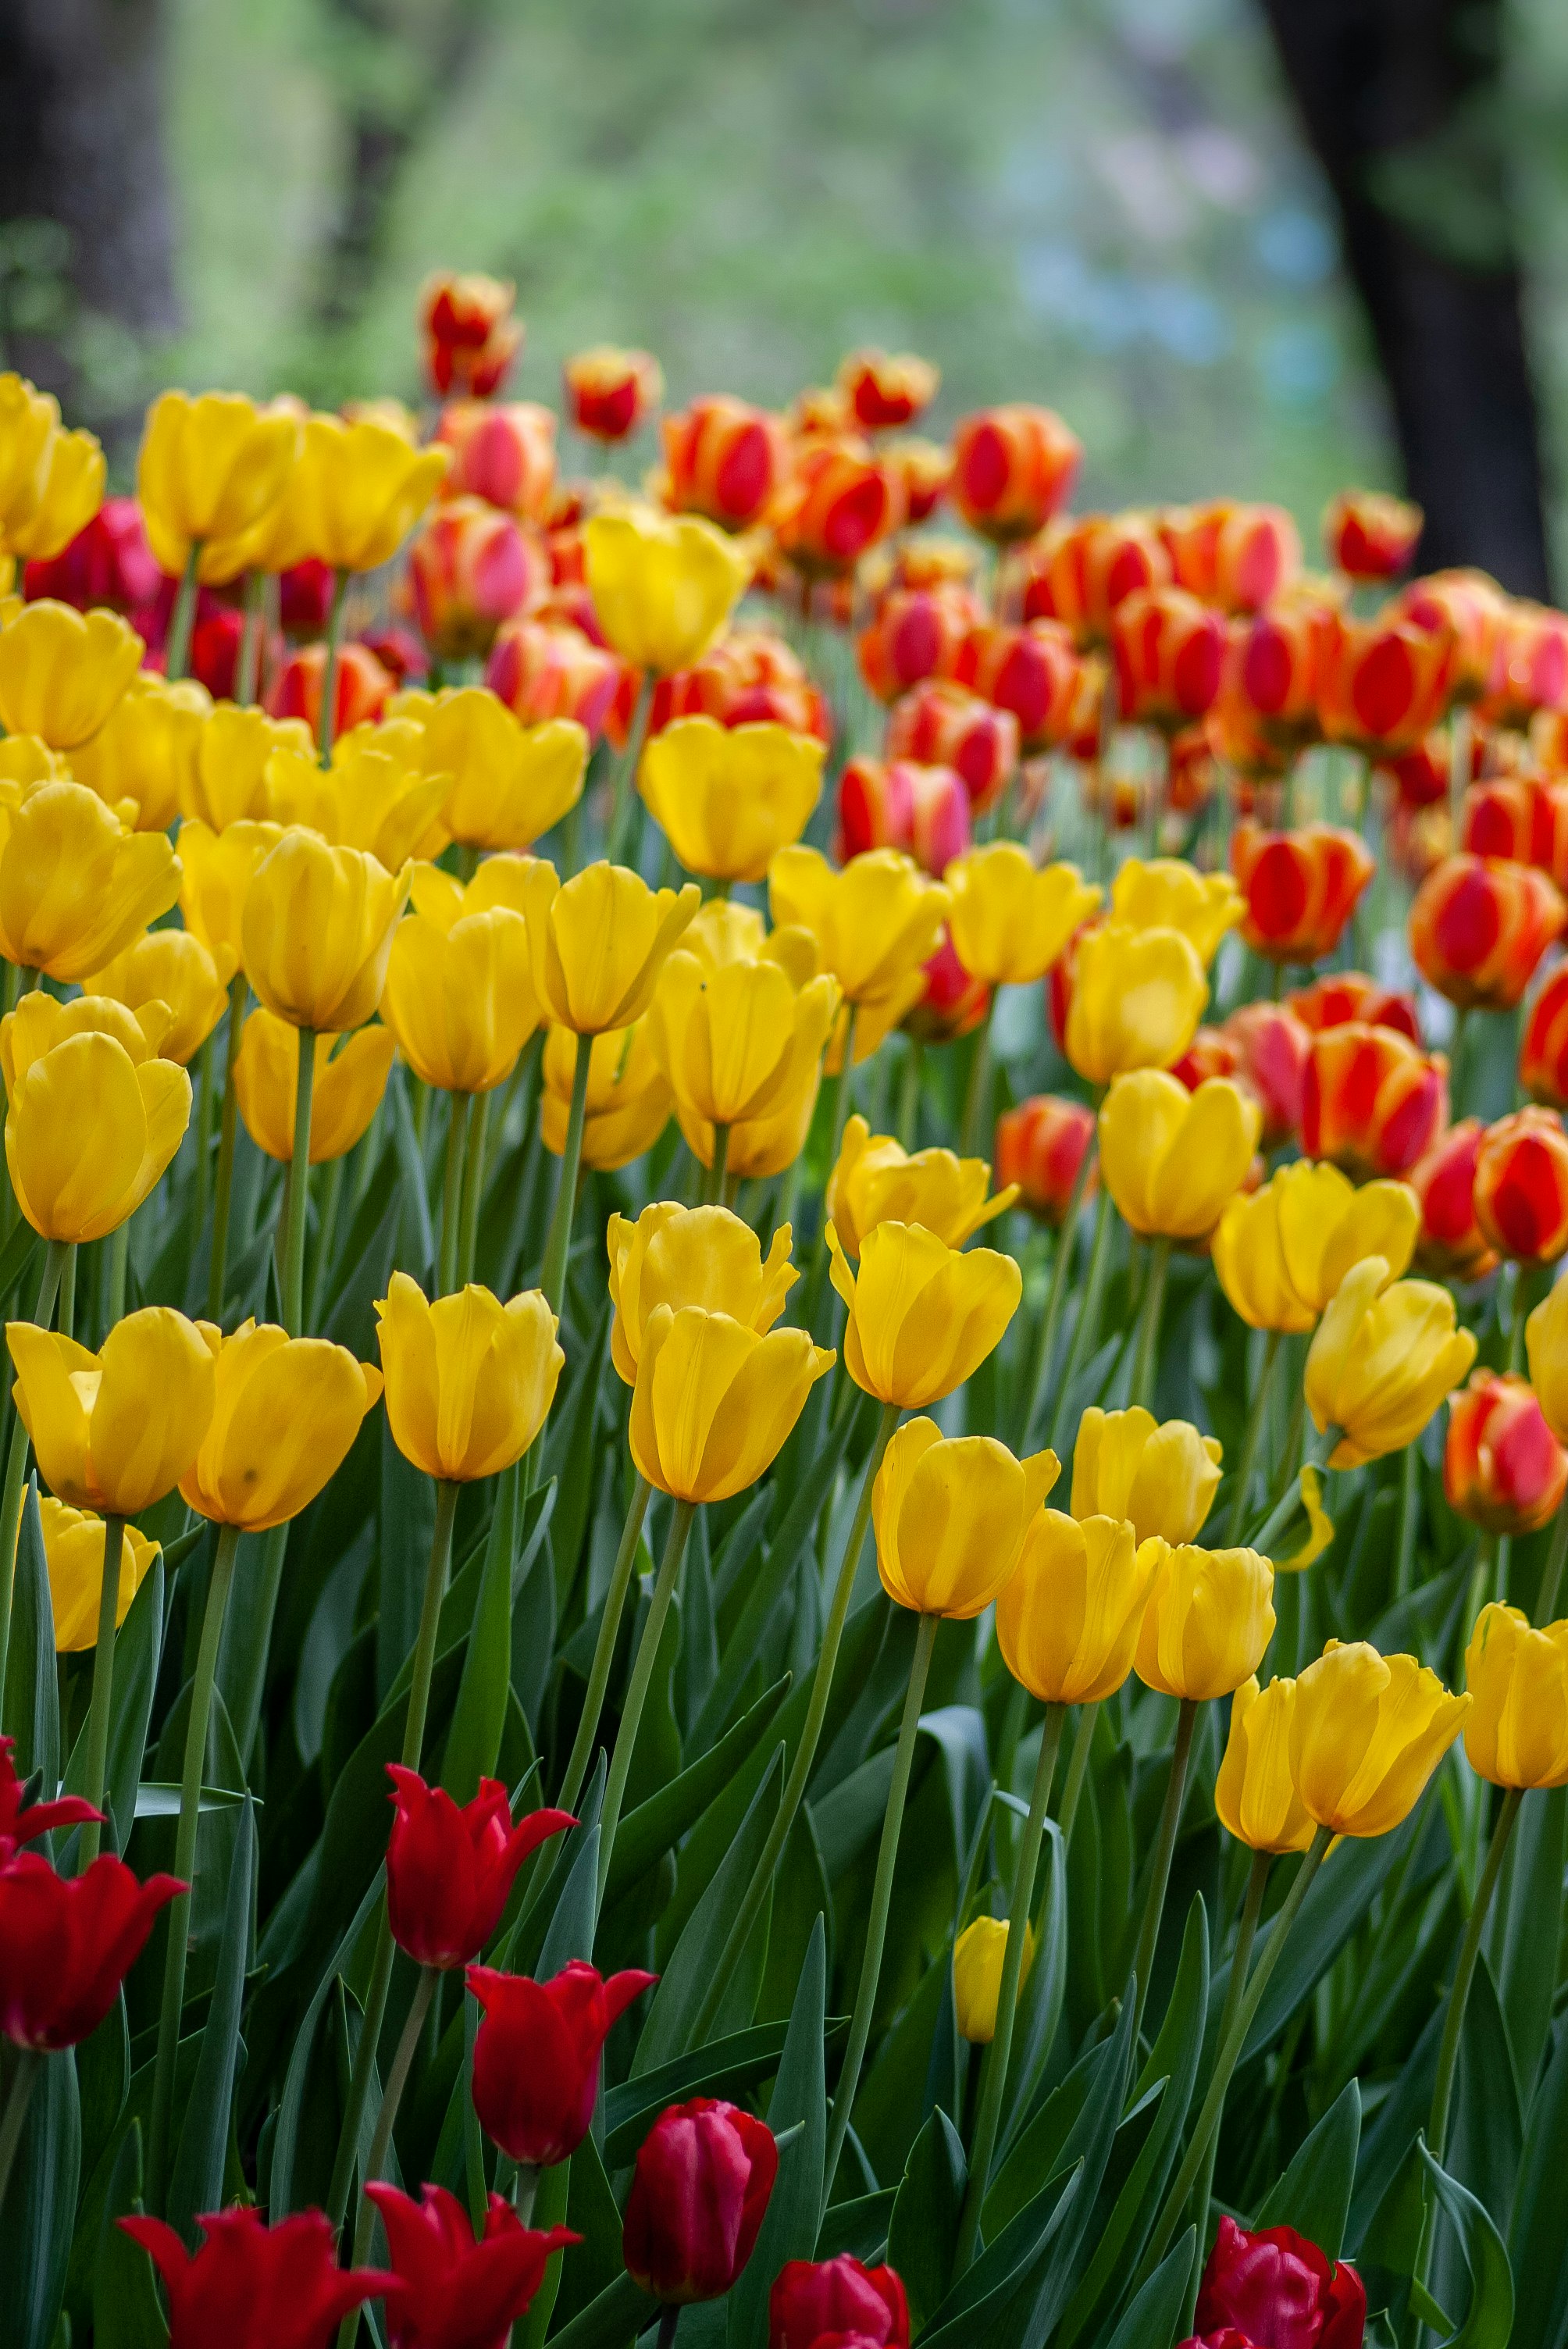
{"x":785,"y":1465}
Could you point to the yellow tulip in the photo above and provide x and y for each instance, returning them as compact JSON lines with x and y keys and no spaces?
{"x":1137,"y":999}
{"x":1164,"y":1478}
{"x":41,"y":1021}
{"x":75,"y":885}
{"x":67,"y":490}
{"x":500,"y":881}
{"x":460,"y":1003}
{"x":677,"y":1256}
{"x":216,"y":870}
{"x":629,"y":1098}
{"x":876,"y":1181}
{"x":1172,"y":1160}
{"x":208,"y":470}
{"x":509,"y":783}
{"x":88,"y":1133}
{"x":73,"y":1547}
{"x":597,"y":943}
{"x":315,"y":931}
{"x":1516,"y":1733}
{"x":977,"y":1956}
{"x":364,"y":801}
{"x":173,"y":968}
{"x":1546,"y":1346}
{"x":1254,"y":1793}
{"x":729,"y":798}
{"x":663,"y":585}
{"x":1383,"y":1360}
{"x":1209,"y":1620}
{"x":351,"y":1074}
{"x":877,"y":923}
{"x":731,"y":1035}
{"x":714,"y":1403}
{"x":116,"y":1430}
{"x":469,"y":1380}
{"x":146,"y":749}
{"x":286,"y":1413}
{"x":950,"y":1516}
{"x":1010,"y":920}
{"x":922,"y":1315}
{"x":24,"y":762}
{"x":29,"y":420}
{"x":1067,"y":1621}
{"x":1281,"y":1252}
{"x":227,"y":779}
{"x":1169,"y":894}
{"x":1367,"y":1733}
{"x":358,"y":489}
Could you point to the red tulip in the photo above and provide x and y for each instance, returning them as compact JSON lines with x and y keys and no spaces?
{"x":24,"y":1822}
{"x":542,"y":669}
{"x":469,"y":568}
{"x":1529,"y":665}
{"x":1343,"y":995}
{"x":360,"y":693}
{"x":1034,"y":671}
{"x":610,"y":394}
{"x":1040,"y":1146}
{"x":838,"y":502}
{"x":449,"y":1871}
{"x":399,"y":652}
{"x":1462,"y":610}
{"x":1520,"y":818}
{"x":900,"y":803}
{"x":1452,"y":1243}
{"x":1301,"y":887}
{"x":1082,"y":570}
{"x":107,"y":562}
{"x":1013,"y":468}
{"x":725,"y":458}
{"x":1273,"y":670}
{"x":1370,"y":1101}
{"x":470,"y":335}
{"x":1369,"y":534}
{"x":251,"y":2286}
{"x":1280,"y":2291}
{"x":699,"y":2193}
{"x":941,"y":725}
{"x":1543,"y":1049}
{"x":536,"y":2054}
{"x":954,"y":1001}
{"x":305,"y":598}
{"x":916,"y":633}
{"x":1479,"y":925}
{"x":1271,"y":1047}
{"x":1231,"y":554}
{"x":214,"y":654}
{"x":453,"y":2293}
{"x":1168,"y":648}
{"x":1502,"y":1467}
{"x":1385,"y":682}
{"x":1521,"y":1185}
{"x":885,"y":394}
{"x":921,"y":471}
{"x":67,"y":1943}
{"x":1422,"y":773}
{"x":503,"y":453}
{"x":751,"y":679}
{"x":812,"y":2297}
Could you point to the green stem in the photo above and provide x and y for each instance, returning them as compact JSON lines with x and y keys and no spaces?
{"x":1145,"y":1359}
{"x":326,"y":724}
{"x":1409,"y":1515}
{"x":1521,"y":1306}
{"x":179,"y":647}
{"x":1164,"y":1850}
{"x":1088,"y":1313}
{"x":1055,"y":1298}
{"x":250,"y":667}
{"x":909,"y":1091}
{"x":25,"y":2065}
{"x":641,"y":1680}
{"x":391,"y":2097}
{"x":816,"y":1279}
{"x":66,"y":1319}
{"x":977,"y":1093}
{"x":882,"y":1899}
{"x":185,"y":1866}
{"x":218,"y":1269}
{"x":1256,"y":1416}
{"x":203,"y":1131}
{"x":761,"y":1883}
{"x":712,"y":1188}
{"x":1078,"y":1770}
{"x":999,"y":2054}
{"x":118,"y":1269}
{"x":1464,"y":1973}
{"x":244,"y":1682}
{"x":298,"y":1199}
{"x":1235,"y":1988}
{"x":473,"y":1188}
{"x":622,"y":780}
{"x":558,"y":1245}
{"x":423,"y":1665}
{"x":1278,"y":1518}
{"x":1229,"y":2055}
{"x":604,"y":1646}
{"x":16,"y":1459}
{"x":1552,"y":1578}
{"x":103,"y":1688}
{"x":460,"y":1107}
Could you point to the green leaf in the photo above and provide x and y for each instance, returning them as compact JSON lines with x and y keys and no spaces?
{"x":615,"y":2318}
{"x":411,"y":1165}
{"x":407,"y":1523}
{"x":1336,"y":1907}
{"x":657,"y":1825}
{"x":922,"y":2232}
{"x":568,"y":1445}
{"x":1314,"y":2194}
{"x":1040,"y":2004}
{"x":1485,"y":2131}
{"x":859,"y":2227}
{"x":1524,"y":1926}
{"x":473,"y":1740}
{"x":1538,"y":2231}
{"x":1060,"y":2132}
{"x":126,"y":2313}
{"x":1091,"y":2143}
{"x":296,"y":2080}
{"x":138,"y":1650}
{"x":1155,"y":2314}
{"x":723,"y":2067}
{"x":549,"y":2210}
{"x":39,"y":2205}
{"x":575,"y":1917}
{"x":196,"y":2181}
{"x":1489,"y":2319}
{"x":16,"y":1260}
{"x":990,"y":2306}
{"x":32,"y":1708}
{"x":799,"y":2098}
{"x":592,"y":2212}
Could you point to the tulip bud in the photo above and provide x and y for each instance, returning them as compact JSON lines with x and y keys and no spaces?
{"x":875,"y":924}
{"x":941,"y":723}
{"x":1371,"y":1101}
{"x":1067,"y":1620}
{"x":1301,"y":887}
{"x":699,"y":2194}
{"x":116,"y":1430}
{"x":677,"y":1256}
{"x":598,"y":942}
{"x":1369,"y":534}
{"x":107,"y":563}
{"x":1162,"y":1479}
{"x":287,"y":1411}
{"x":1452,"y":1243}
{"x":900,"y":804}
{"x":541,"y":669}
{"x":629,"y":1097}
{"x":469,"y":1380}
{"x":1282,"y":1253}
{"x":1340,"y":997}
{"x":1383,"y":1358}
{"x":1367,"y":1733}
{"x":921,"y":1317}
{"x":75,"y":885}
{"x":950,"y":1516}
{"x":838,"y":502}
{"x":1521,"y":1185}
{"x":1207,"y":1622}
{"x":73,"y":1550}
{"x":729,"y":798}
{"x":1170,"y":1159}
{"x":469,"y":568}
{"x":88,"y":1132}
{"x":460,"y":1002}
{"x":174,"y":968}
{"x":1040,"y":1146}
{"x":1167,"y":894}
{"x":351,"y":1074}
{"x":1479,"y":925}
{"x":810,"y":2298}
{"x":610,"y":393}
{"x":1272,"y":1048}
{"x":1009,"y":920}
{"x":725,"y":460}
{"x":360,"y":489}
{"x":1274,"y":2282}
{"x":536,"y":2056}
{"x":449,"y":2288}
{"x":1083,"y":570}
{"x":663,"y":585}
{"x":1385,"y":683}
{"x":916,"y":633}
{"x":1502,"y":1467}
{"x":316,"y":931}
{"x":361,"y":688}
{"x":207,"y":471}
{"x":1516,"y":1733}
{"x":877,"y":1182}
{"x":714,"y":1403}
{"x":922,"y":471}
{"x":470,"y":335}
{"x":1013,"y":468}
{"x":1136,"y":1001}
{"x":450,"y":1870}
{"x":503,"y":455}
{"x":1168,"y":648}
{"x":733,"y":1031}
{"x":977,"y":1957}
{"x":1255,"y":1794}
{"x":1033,"y":671}
{"x":69,"y":1943}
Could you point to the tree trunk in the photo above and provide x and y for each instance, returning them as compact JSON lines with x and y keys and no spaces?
{"x":1402,"y":103}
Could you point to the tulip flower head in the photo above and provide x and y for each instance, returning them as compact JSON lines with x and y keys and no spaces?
{"x":1277,"y":2286}
{"x":1385,"y":1356}
{"x":700,"y":2191}
{"x":1502,"y":1467}
{"x":73,"y":1547}
{"x":1040,"y":1147}
{"x":75,"y":885}
{"x":977,"y":1959}
{"x":900,"y":803}
{"x":1453,"y":1245}
{"x":226,"y":783}
{"x":359,"y":489}
{"x":921,"y":1317}
{"x":470,"y":334}
{"x":1301,"y":887}
{"x":536,"y":2054}
{"x":249,"y":2282}
{"x":950,"y":1517}
{"x":147,"y":749}
{"x":729,"y":797}
{"x":22,"y":1822}
{"x":677,"y":1256}
{"x":714,"y":1402}
{"x":1369,"y":534}
{"x":1172,"y":1160}
{"x":629,"y":1098}
{"x":509,"y":782}
{"x":810,"y":2297}
{"x":216,"y":871}
{"x":367,"y":799}
{"x":67,"y":1943}
{"x":1209,"y":1620}
{"x":1479,"y":925}
{"x":1367,"y":1733}
{"x":1013,"y":468}
{"x":174,"y":969}
{"x":209,"y":470}
{"x":316,"y":931}
{"x":460,"y":1002}
{"x":1521,"y":1188}
{"x":739,"y":1020}
{"x":1136,"y":1001}
{"x":876,"y":1181}
{"x":454,"y":2291}
{"x":286,"y":1413}
{"x":1254,"y":1793}
{"x":1168,"y":893}
{"x":598,"y":942}
{"x":351,"y":1074}
{"x":1068,"y":1617}
{"x":943,"y":725}
{"x":62,"y":672}
{"x":612,"y":393}
{"x":1282,"y":1252}
{"x":469,"y":1380}
{"x":116,"y":1430}
{"x":1010,"y":921}
{"x":663,"y":585}
{"x":450,"y":1870}
{"x":1371,"y":1100}
{"x":1516,"y":1732}
{"x":875,"y":923}
{"x":88,"y":1132}
{"x":1161,"y":1478}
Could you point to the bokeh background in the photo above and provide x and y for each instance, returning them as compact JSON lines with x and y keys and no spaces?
{"x":1255,"y":246}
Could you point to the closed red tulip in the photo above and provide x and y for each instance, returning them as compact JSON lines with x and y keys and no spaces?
{"x":1370,"y":534}
{"x":452,"y":2291}
{"x":1385,"y":683}
{"x":812,"y":2297}
{"x":1232,"y":554}
{"x":922,"y":471}
{"x":699,"y":2194}
{"x":1370,"y":1101}
{"x":213,"y":656}
{"x":916,"y":633}
{"x":1040,"y":1146}
{"x":470,"y":335}
{"x":1034,"y":671}
{"x":108,"y":561}
{"x":1013,"y":468}
{"x":1083,"y":570}
{"x":725,"y":458}
{"x":1521,"y":1185}
{"x":22,"y":1823}
{"x":903,"y":803}
{"x":536,"y":2054}
{"x":1463,"y":611}
{"x":943,"y":725}
{"x":885,"y":393}
{"x":1272,"y":1048}
{"x":1544,"y":1051}
{"x":752,"y":678}
{"x":1279,"y":2291}
{"x":67,"y":1943}
{"x":305,"y":599}
{"x":359,"y":694}
{"x":449,"y":1871}
{"x":611,"y":393}
{"x":1273,"y":672}
{"x":1522,"y":818}
{"x":1453,"y":1245}
{"x":1479,"y":925}
{"x":1529,"y":665}
{"x":838,"y":502}
{"x":469,"y":568}
{"x":954,"y":1001}
{"x":1422,"y":774}
{"x":503,"y":452}
{"x":1502,"y":1467}
{"x":1301,"y":887}
{"x":251,"y":2286}
{"x":1168,"y":648}
{"x":1343,"y":995}
{"x":542,"y":669}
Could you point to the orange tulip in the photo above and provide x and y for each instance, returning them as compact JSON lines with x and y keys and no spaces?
{"x":941,"y":725}
{"x":503,"y":452}
{"x":1452,"y":1243}
{"x":1231,"y":554}
{"x":1264,"y":1046}
{"x":838,"y":502}
{"x":610,"y":394}
{"x":1386,"y":682}
{"x":1012,"y":468}
{"x":1370,"y":1101}
{"x":1034,"y":671}
{"x":922,"y":472}
{"x":1544,"y":1051}
{"x":470,"y":334}
{"x":726,"y":460}
{"x":954,"y":1001}
{"x":1369,"y":534}
{"x":1462,"y":612}
{"x":1082,"y":570}
{"x":1479,"y":925}
{"x":469,"y":568}
{"x":1522,"y":818}
{"x":1040,"y":1147}
{"x":1529,"y":665}
{"x":1168,"y":648}
{"x":1521,"y":1185}
{"x":916,"y":633}
{"x":542,"y":669}
{"x":900,"y":803}
{"x":1343,"y":995}
{"x":1301,"y":887}
{"x":360,"y":695}
{"x":1502,"y":1467}
{"x":1274,"y":668}
{"x":885,"y":394}
{"x":751,"y":678}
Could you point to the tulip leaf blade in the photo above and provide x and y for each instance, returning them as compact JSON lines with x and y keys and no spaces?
{"x":592,"y":2213}
{"x":32,"y":1706}
{"x":196,"y":2181}
{"x":799,"y":2103}
{"x":1489,"y":2319}
{"x":1335,"y":1908}
{"x":295,"y":2080}
{"x":1525,"y":1928}
{"x":575,"y":1918}
{"x":16,"y":1260}
{"x":1154,"y":2316}
{"x":126,"y":2314}
{"x":721,"y":2067}
{"x":1538,"y":2229}
{"x":989,"y":2307}
{"x":138,"y":1652}
{"x":657,"y":1825}
{"x":42,"y":2193}
{"x":473,"y":1740}
{"x":1314,"y":2194}
{"x":923,"y":2231}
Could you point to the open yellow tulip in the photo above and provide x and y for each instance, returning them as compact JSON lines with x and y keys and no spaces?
{"x":286,"y":1413}
{"x":1172,"y":1160}
{"x":1367,"y":1733}
{"x":469,"y":1380}
{"x":950,"y":1516}
{"x":663,"y":585}
{"x":88,"y":1133}
{"x":714,"y":1402}
{"x":922,"y":1315}
{"x":1162,"y":1478}
{"x":75,"y":885}
{"x":350,"y":1078}
{"x":1010,"y":919}
{"x":1281,"y":1252}
{"x":1383,"y":1358}
{"x":727,"y":798}
{"x":1254,"y":1793}
{"x":677,"y":1256}
{"x":877,"y":1181}
{"x":316,"y":931}
{"x":116,"y":1430}
{"x":62,"y":671}
{"x":1067,"y":1620}
{"x":597,"y":943}
{"x":460,"y":1002}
